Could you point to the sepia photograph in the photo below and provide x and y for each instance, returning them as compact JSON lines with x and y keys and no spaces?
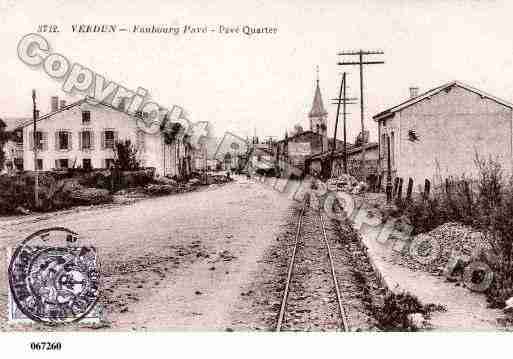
{"x":193,"y":170}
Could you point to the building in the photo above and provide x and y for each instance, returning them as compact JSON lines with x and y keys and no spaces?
{"x":437,"y":134}
{"x":320,"y":163}
{"x":318,"y":117}
{"x":83,"y":135}
{"x":294,"y":150}
{"x":262,"y":158}
{"x":13,"y":146}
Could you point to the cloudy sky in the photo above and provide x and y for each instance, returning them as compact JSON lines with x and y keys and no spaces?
{"x":266,"y":82}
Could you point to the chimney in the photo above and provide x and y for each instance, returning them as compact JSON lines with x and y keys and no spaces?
{"x":54,"y":103}
{"x":63,"y":104}
{"x":414,"y":92}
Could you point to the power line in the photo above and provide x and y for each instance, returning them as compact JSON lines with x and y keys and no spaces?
{"x":360,"y":63}
{"x":341,"y":100}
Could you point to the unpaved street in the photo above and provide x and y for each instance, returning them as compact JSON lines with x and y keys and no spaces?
{"x":174,"y":262}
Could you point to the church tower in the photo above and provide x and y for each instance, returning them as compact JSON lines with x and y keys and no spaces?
{"x":318,"y":116}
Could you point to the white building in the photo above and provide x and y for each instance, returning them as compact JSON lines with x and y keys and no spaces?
{"x":83,"y":134}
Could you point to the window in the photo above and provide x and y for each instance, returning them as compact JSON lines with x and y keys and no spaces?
{"x":39,"y":140}
{"x":86,"y":163}
{"x":63,"y":163}
{"x":109,"y":139}
{"x":39,"y":165}
{"x":392,"y":149}
{"x":63,"y":141}
{"x":86,"y":140}
{"x":86,"y":117}
{"x":384,"y":146}
{"x":109,"y":162}
{"x":412,"y":136}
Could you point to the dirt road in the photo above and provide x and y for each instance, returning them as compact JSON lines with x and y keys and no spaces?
{"x":175,"y":262}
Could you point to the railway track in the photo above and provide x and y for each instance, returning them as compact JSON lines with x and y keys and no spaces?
{"x":309,"y":243}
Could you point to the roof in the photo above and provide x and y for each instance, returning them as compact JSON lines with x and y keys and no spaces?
{"x":30,"y":121}
{"x":391,"y":111}
{"x":318,"y":109}
{"x":13,"y":123}
{"x":299,"y":134}
{"x":351,"y":149}
{"x":303,"y":134}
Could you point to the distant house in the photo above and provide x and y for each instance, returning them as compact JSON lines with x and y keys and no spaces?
{"x":262,"y":158}
{"x":319,"y":163}
{"x":83,"y":134}
{"x":13,"y":147}
{"x":438,"y":133}
{"x":292,"y":151}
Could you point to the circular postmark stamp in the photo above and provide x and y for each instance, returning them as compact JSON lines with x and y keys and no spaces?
{"x":54,"y":280}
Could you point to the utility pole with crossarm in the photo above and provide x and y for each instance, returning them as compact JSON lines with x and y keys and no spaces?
{"x":35,"y":138}
{"x":342,"y":99}
{"x":361,"y":62}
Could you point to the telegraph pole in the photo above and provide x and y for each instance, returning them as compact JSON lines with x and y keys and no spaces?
{"x":361,"y":62}
{"x":342,"y":99}
{"x":36,"y":173}
{"x":389,"y":173}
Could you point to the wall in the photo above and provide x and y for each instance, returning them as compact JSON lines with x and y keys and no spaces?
{"x":102,"y":118}
{"x":451,"y":127}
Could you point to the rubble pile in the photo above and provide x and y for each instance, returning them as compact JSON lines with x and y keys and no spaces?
{"x":217,"y":179}
{"x":165,"y":180}
{"x":455,"y":246}
{"x":161,"y":189}
{"x":346,"y":183}
{"x":90,"y":196}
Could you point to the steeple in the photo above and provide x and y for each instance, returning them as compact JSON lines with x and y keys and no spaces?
{"x":318,"y":109}
{"x":318,"y":115}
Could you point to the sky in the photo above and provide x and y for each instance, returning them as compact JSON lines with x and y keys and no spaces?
{"x":265,"y":82}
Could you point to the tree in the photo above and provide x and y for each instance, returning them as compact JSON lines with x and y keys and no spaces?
{"x":126,"y":155}
{"x":4,"y":137}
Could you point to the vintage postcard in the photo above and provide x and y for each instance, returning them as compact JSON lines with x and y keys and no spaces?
{"x":286,"y":166}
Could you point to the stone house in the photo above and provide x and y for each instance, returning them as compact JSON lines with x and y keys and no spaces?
{"x":83,"y":134}
{"x":437,"y":134}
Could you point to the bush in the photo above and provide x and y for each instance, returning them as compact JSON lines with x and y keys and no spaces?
{"x":485,"y":204}
{"x":394,"y":314}
{"x":160,"y":189}
{"x":496,"y":223}
{"x":17,"y":192}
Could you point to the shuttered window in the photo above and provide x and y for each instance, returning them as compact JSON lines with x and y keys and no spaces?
{"x":86,"y":139}
{"x":40,"y":140}
{"x":63,"y":140}
{"x":86,"y":117}
{"x":109,"y":138}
